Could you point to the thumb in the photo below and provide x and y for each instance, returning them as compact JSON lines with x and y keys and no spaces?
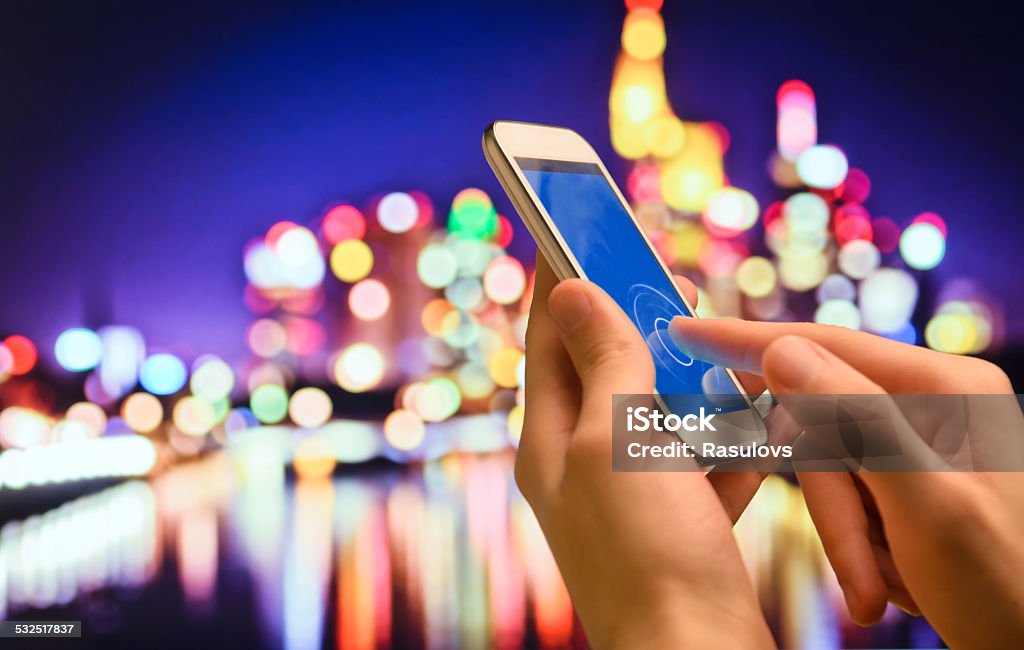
{"x":607,"y":350}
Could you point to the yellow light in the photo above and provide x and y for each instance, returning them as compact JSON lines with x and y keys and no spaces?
{"x":310,"y":407}
{"x":503,"y":367}
{"x":359,"y":368}
{"x":351,"y":260}
{"x":142,"y":412}
{"x":628,"y":140}
{"x":643,"y":34}
{"x":515,"y":423}
{"x":690,"y":178}
{"x":314,"y":458}
{"x":802,"y":272}
{"x":756,"y":277}
{"x":434,"y":315}
{"x":404,"y":430}
{"x":951,"y":332}
{"x":212,"y":379}
{"x":690,"y":239}
{"x":664,"y":135}
{"x":194,"y":416}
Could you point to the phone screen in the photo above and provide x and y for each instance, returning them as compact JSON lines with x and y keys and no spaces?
{"x":615,"y":256}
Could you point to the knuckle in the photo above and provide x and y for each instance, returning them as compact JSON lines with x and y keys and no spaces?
{"x":987,"y":376}
{"x":523,"y":476}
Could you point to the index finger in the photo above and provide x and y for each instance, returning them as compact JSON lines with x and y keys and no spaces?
{"x":740,"y":344}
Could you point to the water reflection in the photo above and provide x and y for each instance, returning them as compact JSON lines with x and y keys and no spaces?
{"x":440,"y":555}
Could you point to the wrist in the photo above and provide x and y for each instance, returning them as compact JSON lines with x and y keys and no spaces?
{"x":689,"y":621}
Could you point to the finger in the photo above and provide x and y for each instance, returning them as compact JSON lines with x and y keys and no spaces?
{"x":688,"y":288}
{"x":836,"y":509}
{"x":741,"y":344}
{"x":552,"y":387}
{"x":606,"y":349}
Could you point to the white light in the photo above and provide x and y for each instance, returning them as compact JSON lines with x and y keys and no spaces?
{"x":822,"y":166}
{"x":838,"y":312}
{"x":78,"y":349}
{"x":296,"y":246}
{"x":836,"y":286}
{"x":858,"y":258}
{"x":922,"y":246}
{"x":397,"y":212}
{"x":805,"y":213}
{"x":887,"y":300}
{"x":116,"y":456}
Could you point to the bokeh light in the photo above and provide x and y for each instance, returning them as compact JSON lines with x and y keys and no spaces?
{"x":504,"y":366}
{"x":269,"y":403}
{"x":266,"y":337}
{"x":838,"y":312}
{"x":91,"y":415}
{"x":643,"y":34}
{"x":359,"y":368}
{"x":21,"y":355}
{"x":887,"y":300}
{"x":858,"y":258}
{"x":343,"y":222}
{"x":78,"y":349}
{"x":212,"y":379}
{"x":351,"y":260}
{"x":369,"y":299}
{"x":922,"y":245}
{"x":951,"y":332}
{"x":730,"y":211}
{"x":504,"y":280}
{"x":314,"y":458}
{"x":163,"y":374}
{"x":756,"y":277}
{"x":437,"y":399}
{"x":822,"y":166}
{"x":193,"y":416}
{"x":436,"y":266}
{"x":473,"y":215}
{"x":404,"y":430}
{"x":142,"y":412}
{"x":397,"y":212}
{"x":310,"y":407}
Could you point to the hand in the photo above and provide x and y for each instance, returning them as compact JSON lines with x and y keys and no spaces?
{"x":649,"y":558}
{"x":946,"y":544}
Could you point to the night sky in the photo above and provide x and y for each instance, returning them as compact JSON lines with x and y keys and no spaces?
{"x":144,"y":143}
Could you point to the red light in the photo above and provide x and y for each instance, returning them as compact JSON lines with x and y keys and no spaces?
{"x":653,"y":5}
{"x":503,"y":234}
{"x":856,"y":187}
{"x":887,"y":234}
{"x":275,"y":232}
{"x":344,"y":222}
{"x":932,"y":218}
{"x":796,"y":87}
{"x":23,"y":354}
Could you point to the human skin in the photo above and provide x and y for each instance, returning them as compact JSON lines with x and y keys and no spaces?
{"x":649,"y":559}
{"x":943,"y":544}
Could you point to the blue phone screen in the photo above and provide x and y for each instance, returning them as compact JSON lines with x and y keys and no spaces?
{"x":614,"y":255}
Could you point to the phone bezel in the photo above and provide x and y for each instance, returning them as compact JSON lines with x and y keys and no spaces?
{"x":504,"y":141}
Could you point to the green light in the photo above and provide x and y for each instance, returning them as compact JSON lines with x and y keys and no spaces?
{"x":473,"y":215}
{"x":269,"y":403}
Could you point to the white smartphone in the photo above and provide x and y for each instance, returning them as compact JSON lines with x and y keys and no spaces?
{"x":585,"y":228}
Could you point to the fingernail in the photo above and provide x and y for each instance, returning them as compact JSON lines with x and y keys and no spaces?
{"x":795,"y":362}
{"x":852,"y":604}
{"x":568,"y":307}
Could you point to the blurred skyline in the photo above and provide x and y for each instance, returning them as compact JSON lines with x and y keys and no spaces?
{"x":146,"y":144}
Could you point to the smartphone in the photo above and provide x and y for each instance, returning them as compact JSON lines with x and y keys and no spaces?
{"x":585,"y":228}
